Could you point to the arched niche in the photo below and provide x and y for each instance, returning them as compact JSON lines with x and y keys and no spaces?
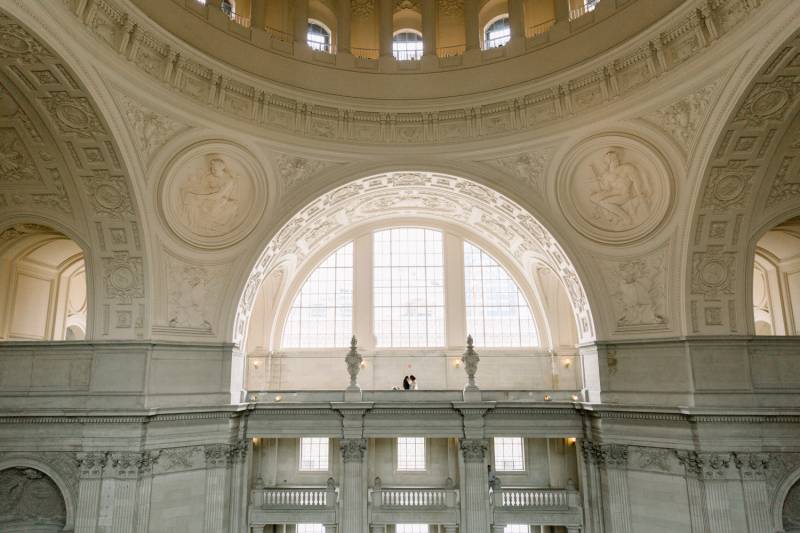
{"x":776,"y":280}
{"x":32,"y":502}
{"x":43,"y":285}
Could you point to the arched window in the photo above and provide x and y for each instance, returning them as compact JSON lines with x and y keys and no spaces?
{"x":319,"y":36}
{"x":497,"y":312}
{"x":408,"y":278}
{"x":407,"y":45}
{"x":321,"y":315}
{"x":497,"y":32}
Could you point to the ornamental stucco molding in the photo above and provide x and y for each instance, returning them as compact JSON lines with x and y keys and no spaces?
{"x":137,"y":40}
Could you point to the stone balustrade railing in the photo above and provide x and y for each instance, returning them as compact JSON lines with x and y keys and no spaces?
{"x":294,"y":498}
{"x":530,"y":498}
{"x":414,"y":498}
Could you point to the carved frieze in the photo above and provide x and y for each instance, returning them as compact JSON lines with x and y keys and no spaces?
{"x":217,"y":455}
{"x":294,"y":170}
{"x":713,"y":272}
{"x":73,"y":114}
{"x":194,"y":292}
{"x":91,"y":464}
{"x":123,"y":277}
{"x":16,"y":166}
{"x":684,"y":118}
{"x":728,"y":186}
{"x":17,"y":44}
{"x":769,"y":101}
{"x":614,"y":189}
{"x":108,"y":194}
{"x":212,"y":194}
{"x":150,"y":130}
{"x":529,"y":167}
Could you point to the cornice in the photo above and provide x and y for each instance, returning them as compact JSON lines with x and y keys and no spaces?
{"x":690,"y":31}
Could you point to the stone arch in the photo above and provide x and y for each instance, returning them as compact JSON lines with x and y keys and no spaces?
{"x":75,"y":170}
{"x":494,"y":216}
{"x":790,"y":486}
{"x":22,"y":464}
{"x":732,"y":198}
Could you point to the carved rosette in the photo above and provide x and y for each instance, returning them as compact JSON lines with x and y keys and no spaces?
{"x":473,"y":450}
{"x":615,"y":189}
{"x":212,"y":194}
{"x":353,"y":450}
{"x":91,"y":464}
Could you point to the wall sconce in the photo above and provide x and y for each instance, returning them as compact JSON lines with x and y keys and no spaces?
{"x":547,"y":397}
{"x":363,"y":364}
{"x":278,"y":398}
{"x":567,"y":363}
{"x":571,"y":440}
{"x":255,"y":440}
{"x":255,"y":364}
{"x":457,"y":363}
{"x":574,"y":397}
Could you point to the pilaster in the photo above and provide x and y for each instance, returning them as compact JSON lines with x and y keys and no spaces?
{"x":612,"y":461}
{"x":592,"y":490}
{"x":90,"y":468}
{"x":218,"y":461}
{"x":124,"y":467}
{"x":148,"y":460}
{"x":753,"y":468}
{"x":353,"y":489}
{"x":239,"y":488}
{"x":475,"y":508}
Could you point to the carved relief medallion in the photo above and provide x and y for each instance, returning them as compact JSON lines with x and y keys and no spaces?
{"x":614,"y":189}
{"x":213,"y":194}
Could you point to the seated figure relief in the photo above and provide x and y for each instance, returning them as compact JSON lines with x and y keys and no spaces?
{"x":209,"y":202}
{"x":621,"y":195}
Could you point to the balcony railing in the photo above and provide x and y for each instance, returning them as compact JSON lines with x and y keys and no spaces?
{"x":539,"y":29}
{"x":414,"y":498}
{"x":294,"y":498}
{"x":587,"y":6}
{"x":530,"y":499}
{"x":450,"y":51}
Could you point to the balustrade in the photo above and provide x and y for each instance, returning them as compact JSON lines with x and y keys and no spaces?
{"x":414,"y":498}
{"x":294,"y":498}
{"x":523,"y":498}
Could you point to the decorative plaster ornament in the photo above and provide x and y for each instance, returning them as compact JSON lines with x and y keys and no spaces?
{"x":614,"y":189}
{"x":638,"y":288}
{"x":150,"y":130}
{"x":213,"y":194}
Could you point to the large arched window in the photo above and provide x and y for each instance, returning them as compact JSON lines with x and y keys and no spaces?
{"x":407,"y":45}
{"x":318,"y":36}
{"x":322,"y":313}
{"x":408,"y":287}
{"x":497,"y":312}
{"x":497,"y":32}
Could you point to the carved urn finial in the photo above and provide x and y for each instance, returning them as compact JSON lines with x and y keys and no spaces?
{"x":353,"y":361}
{"x":470,"y":361}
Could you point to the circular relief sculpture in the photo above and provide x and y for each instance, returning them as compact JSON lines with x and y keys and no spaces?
{"x":614,"y":189}
{"x":213,"y":194}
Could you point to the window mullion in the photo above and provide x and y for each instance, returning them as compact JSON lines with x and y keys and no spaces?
{"x":455,"y":311}
{"x":363,"y":316}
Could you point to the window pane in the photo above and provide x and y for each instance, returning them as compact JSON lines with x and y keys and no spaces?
{"x":508,"y":454}
{"x":318,"y":37}
{"x":314,"y":454}
{"x":497,"y":33}
{"x":411,"y":454}
{"x":407,"y":45}
{"x":411,"y":528}
{"x":408,"y":287}
{"x":497,"y":312}
{"x":310,"y":528}
{"x":321,"y":315}
{"x":517,"y":528}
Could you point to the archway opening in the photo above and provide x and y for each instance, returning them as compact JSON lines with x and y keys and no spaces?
{"x":776,"y":280}
{"x":475,"y":260}
{"x":43,"y":291}
{"x":31,"y":502}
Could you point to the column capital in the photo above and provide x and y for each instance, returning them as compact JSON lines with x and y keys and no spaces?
{"x":609,"y":455}
{"x":125,"y":464}
{"x":353,"y":450}
{"x":473,"y":450}
{"x":91,"y":464}
{"x":217,"y":455}
{"x":752,"y":466}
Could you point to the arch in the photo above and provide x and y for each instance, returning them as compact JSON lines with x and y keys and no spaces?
{"x":792,"y":479}
{"x":737,"y":190}
{"x":489,"y":214}
{"x":68,"y":490}
{"x":496,"y":41}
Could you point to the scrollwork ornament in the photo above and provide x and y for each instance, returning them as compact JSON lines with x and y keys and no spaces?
{"x":473,"y":450}
{"x":126,"y":464}
{"x":752,"y":466}
{"x":217,"y":455}
{"x":353,"y":450}
{"x":91,"y":464}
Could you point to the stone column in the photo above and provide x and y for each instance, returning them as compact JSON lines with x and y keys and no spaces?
{"x":476,"y":486}
{"x":695,"y":490}
{"x":353,"y":490}
{"x":239,"y":469}
{"x":125,"y":468}
{"x":429,"y":27}
{"x":385,"y":27}
{"x":258,"y":14}
{"x":591,"y":489}
{"x":614,"y":474}
{"x":300,"y":22}
{"x":218,"y":460}
{"x":90,"y":467}
{"x":146,"y":464}
{"x":753,"y":470}
{"x":343,"y":26}
{"x":516,"y":19}
{"x":472,"y":31}
{"x":561,"y":10}
{"x":716,"y":473}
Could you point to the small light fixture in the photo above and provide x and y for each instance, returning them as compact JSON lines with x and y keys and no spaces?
{"x":255,"y":364}
{"x":567,"y":363}
{"x":574,"y":397}
{"x":547,"y":397}
{"x":278,"y":398}
{"x":457,"y":363}
{"x":255,"y":440}
{"x":363,"y":364}
{"x":571,"y":440}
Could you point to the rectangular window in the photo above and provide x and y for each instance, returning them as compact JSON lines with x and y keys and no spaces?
{"x":411,"y":454}
{"x":314,"y":454}
{"x":411,"y":528}
{"x":310,"y":528}
{"x":509,"y":455}
{"x":516,"y":528}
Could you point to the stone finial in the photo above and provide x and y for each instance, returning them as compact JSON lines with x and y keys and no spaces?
{"x":353,"y":361}
{"x":470,"y":361}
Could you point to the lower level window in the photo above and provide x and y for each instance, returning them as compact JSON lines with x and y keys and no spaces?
{"x":314,"y":455}
{"x":517,"y":528}
{"x":411,"y":528}
{"x":310,"y":528}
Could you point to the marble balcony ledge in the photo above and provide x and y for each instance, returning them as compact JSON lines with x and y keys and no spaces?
{"x":416,"y":397}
